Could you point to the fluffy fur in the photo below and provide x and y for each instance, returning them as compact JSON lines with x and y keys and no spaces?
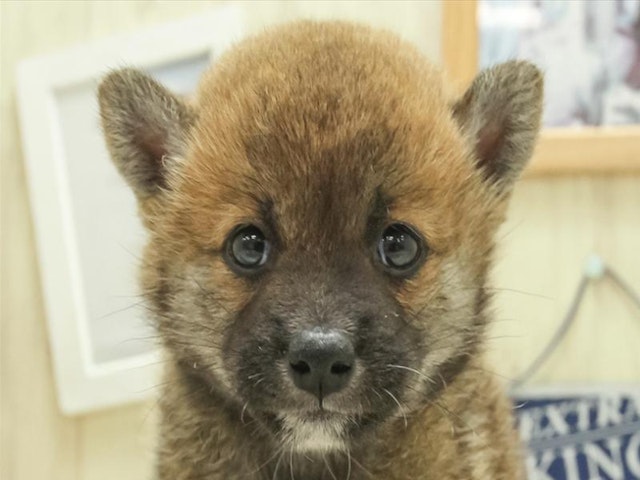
{"x":321,"y":134}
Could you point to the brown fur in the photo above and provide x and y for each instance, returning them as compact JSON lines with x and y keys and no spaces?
{"x":315,"y":132}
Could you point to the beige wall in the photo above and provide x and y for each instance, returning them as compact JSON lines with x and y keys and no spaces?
{"x":553,"y":224}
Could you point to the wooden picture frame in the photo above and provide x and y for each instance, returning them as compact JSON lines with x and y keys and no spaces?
{"x":560,"y":151}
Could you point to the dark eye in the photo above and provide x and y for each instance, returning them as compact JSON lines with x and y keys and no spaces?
{"x":400,"y":248}
{"x":248,"y":248}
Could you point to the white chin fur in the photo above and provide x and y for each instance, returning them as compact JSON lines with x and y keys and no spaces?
{"x":308,"y":435}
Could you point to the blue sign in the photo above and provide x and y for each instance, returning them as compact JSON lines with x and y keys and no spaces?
{"x":591,"y":437}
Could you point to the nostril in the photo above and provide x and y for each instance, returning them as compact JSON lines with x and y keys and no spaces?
{"x":340,"y":368}
{"x":300,"y":367}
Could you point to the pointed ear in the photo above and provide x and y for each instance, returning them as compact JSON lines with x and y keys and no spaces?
{"x":145,"y":127}
{"x":500,"y":115}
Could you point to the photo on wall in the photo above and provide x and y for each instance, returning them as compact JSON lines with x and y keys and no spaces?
{"x":589,"y":51}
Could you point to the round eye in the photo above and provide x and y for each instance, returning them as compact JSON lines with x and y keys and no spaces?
{"x":400,"y":247}
{"x":248,"y":247}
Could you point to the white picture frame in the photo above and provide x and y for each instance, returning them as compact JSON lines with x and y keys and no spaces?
{"x":77,"y":198}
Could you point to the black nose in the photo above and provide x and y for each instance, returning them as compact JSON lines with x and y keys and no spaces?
{"x":321,"y":361}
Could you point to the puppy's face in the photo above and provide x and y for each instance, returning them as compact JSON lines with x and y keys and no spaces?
{"x":321,"y":222}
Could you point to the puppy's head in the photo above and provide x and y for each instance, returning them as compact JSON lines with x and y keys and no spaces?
{"x":321,"y":221}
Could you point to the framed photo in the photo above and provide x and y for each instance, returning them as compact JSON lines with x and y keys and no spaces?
{"x":590,"y":53}
{"x":88,"y":235}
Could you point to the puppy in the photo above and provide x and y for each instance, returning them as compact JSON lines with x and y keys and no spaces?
{"x":321,"y":224}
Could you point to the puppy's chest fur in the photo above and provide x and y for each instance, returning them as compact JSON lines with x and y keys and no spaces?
{"x":321,"y":223}
{"x":454,"y":438}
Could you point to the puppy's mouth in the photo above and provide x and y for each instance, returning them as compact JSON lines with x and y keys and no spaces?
{"x":320,"y":430}
{"x":315,"y":430}
{"x":321,"y":415}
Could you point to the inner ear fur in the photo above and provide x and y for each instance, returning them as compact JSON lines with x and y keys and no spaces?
{"x":145,"y":127}
{"x":500,"y":116}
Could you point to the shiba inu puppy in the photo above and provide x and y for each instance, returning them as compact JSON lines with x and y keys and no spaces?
{"x":321,"y":223}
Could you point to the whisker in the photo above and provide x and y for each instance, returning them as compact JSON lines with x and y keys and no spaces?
{"x":361,"y":467}
{"x":333,"y":475}
{"x":291,"y":473}
{"x":348,"y":463}
{"x":413,"y":370}
{"x":406,"y":423}
{"x":244,"y":408}
{"x":275,"y":471}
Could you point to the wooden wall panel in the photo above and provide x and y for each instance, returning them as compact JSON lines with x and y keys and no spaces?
{"x":553,"y":225}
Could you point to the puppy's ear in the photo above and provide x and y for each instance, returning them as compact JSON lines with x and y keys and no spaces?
{"x":145,"y":127}
{"x":500,"y":115}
